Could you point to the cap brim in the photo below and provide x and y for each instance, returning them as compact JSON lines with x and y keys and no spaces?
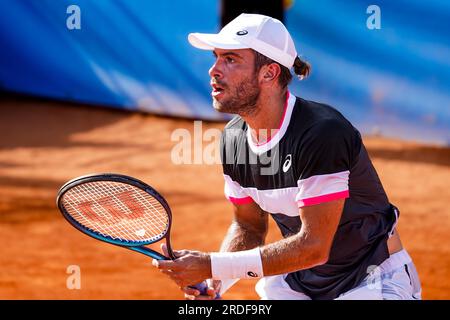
{"x":211,"y":41}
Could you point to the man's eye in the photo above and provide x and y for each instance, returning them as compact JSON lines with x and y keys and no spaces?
{"x":230,"y":60}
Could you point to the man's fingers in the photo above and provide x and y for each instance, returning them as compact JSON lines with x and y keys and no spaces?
{"x":180,"y":253}
{"x":211,"y":292}
{"x":194,"y":294}
{"x":191,"y":291}
{"x":176,"y":253}
{"x":164,"y":249}
{"x":165,"y":264}
{"x":205,"y":297}
{"x":169,"y":273}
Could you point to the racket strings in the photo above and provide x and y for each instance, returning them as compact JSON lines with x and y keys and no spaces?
{"x":155,"y":225}
{"x":110,"y":206}
{"x":102,"y":205}
{"x":117,"y":210}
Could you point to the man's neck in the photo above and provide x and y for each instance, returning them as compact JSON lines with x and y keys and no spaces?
{"x":267,"y":120}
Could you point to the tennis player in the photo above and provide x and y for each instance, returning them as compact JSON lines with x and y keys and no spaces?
{"x":305,"y":165}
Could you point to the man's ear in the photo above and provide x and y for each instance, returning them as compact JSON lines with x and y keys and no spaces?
{"x":269,"y":73}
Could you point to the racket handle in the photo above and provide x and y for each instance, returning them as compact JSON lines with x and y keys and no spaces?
{"x":203,"y":287}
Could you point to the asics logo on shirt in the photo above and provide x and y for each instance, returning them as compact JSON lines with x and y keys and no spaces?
{"x":287,"y":163}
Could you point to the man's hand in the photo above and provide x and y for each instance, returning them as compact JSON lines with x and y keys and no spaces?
{"x":188,"y":269}
{"x":212,"y":291}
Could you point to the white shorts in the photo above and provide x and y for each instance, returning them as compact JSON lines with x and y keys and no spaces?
{"x":395,"y":279}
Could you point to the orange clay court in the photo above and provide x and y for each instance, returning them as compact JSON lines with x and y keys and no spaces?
{"x":43,"y":144}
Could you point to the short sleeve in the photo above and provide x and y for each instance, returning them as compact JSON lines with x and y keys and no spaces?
{"x":234,"y":192}
{"x":325,"y":158}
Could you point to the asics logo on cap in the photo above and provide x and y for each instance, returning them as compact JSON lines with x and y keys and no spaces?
{"x":264,"y":34}
{"x":252,"y":274}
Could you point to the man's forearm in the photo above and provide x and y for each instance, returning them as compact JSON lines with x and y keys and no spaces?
{"x":294,"y":253}
{"x":287,"y":255}
{"x":239,"y":238}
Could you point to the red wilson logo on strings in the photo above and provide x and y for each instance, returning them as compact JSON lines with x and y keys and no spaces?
{"x":113,"y":207}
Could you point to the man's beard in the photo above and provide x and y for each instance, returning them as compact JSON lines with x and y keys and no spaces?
{"x":242,"y":101}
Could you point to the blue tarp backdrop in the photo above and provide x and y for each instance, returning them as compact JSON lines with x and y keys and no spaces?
{"x":134,"y":55}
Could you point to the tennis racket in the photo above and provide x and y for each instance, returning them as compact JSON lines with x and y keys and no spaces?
{"x":120,"y":210}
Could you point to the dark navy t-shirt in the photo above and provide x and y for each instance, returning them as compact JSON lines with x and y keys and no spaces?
{"x":315,"y":156}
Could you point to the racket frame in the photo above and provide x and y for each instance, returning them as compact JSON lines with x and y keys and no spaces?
{"x":135,"y":246}
{"x":132,"y":245}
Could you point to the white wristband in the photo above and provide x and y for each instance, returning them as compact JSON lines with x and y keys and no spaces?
{"x":236,"y":265}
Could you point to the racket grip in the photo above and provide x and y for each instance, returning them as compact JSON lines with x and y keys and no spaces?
{"x":203,"y":287}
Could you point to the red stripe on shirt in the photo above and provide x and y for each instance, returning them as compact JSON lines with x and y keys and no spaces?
{"x":324,"y":198}
{"x":240,"y":200}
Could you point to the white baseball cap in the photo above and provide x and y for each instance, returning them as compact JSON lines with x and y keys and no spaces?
{"x":263,"y":34}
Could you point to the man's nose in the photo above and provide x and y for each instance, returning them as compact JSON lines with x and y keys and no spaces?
{"x":215,"y":72}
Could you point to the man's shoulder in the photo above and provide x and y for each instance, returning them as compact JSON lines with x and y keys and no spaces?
{"x":316,"y":123}
{"x":319,"y":110}
{"x":318,"y":115}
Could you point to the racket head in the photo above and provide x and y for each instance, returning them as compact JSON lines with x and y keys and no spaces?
{"x":116,"y":208}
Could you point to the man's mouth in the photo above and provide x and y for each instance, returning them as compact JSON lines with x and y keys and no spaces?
{"x":216,"y":89}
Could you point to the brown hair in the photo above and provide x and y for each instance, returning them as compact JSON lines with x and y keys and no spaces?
{"x":301,"y":68}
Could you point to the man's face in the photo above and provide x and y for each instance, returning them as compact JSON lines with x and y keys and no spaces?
{"x":235,"y":87}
